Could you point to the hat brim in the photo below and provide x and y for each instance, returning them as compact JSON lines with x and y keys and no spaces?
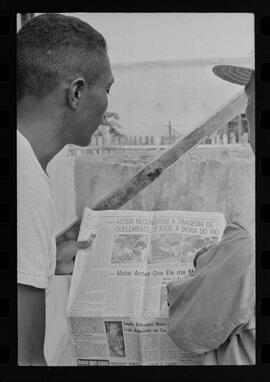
{"x":234,"y":74}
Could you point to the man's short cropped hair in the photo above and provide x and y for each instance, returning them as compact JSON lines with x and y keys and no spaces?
{"x":52,"y":46}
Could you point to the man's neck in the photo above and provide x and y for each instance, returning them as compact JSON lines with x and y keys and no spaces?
{"x":44,"y":147}
{"x":42,"y":132}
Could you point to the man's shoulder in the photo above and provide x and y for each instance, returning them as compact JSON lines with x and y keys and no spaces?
{"x":26,"y":163}
{"x":235,"y":230}
{"x":30,"y":175}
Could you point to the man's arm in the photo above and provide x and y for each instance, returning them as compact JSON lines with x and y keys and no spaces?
{"x":31,"y":326}
{"x":206,"y":308}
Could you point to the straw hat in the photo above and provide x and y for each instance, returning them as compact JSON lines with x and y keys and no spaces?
{"x":235,"y":74}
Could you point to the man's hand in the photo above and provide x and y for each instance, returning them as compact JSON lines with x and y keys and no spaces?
{"x":66,"y":253}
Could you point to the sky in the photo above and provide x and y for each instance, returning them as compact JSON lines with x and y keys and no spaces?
{"x":136,"y":37}
{"x":139,"y":37}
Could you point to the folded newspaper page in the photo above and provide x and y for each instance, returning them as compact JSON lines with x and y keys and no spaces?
{"x":117,"y":308}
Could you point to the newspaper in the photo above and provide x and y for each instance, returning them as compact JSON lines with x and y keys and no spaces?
{"x":117,"y":308}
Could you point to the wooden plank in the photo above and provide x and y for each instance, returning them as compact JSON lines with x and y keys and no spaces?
{"x":120,"y":196}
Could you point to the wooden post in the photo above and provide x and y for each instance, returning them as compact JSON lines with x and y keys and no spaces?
{"x":170,"y":132}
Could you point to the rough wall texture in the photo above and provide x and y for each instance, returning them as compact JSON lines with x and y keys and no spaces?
{"x":207,"y":179}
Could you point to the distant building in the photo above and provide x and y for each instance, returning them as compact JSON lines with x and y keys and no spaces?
{"x":148,"y":95}
{"x":150,"y":136}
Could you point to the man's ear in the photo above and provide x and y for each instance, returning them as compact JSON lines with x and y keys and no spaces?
{"x":75,"y":91}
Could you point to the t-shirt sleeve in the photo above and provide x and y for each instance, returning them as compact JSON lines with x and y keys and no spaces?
{"x":206,"y":308}
{"x":35,"y":235}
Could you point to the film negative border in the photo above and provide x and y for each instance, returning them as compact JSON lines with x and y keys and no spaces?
{"x":6,"y":297}
{"x":8,"y":300}
{"x":263,"y":191}
{"x":7,"y":196}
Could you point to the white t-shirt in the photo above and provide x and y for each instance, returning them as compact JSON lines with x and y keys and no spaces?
{"x":37,"y":250}
{"x":36,"y":219}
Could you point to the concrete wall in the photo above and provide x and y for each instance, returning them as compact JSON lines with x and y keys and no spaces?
{"x":207,"y":179}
